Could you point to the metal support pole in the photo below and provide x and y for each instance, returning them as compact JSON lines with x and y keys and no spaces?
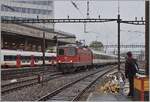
{"x":118,"y":21}
{"x":147,"y":36}
{"x":56,"y":45}
{"x":85,"y":28}
{"x":26,"y":44}
{"x":43,"y":49}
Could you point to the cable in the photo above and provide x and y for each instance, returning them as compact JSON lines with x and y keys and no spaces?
{"x":136,"y":31}
{"x":77,"y":8}
{"x":118,"y":7}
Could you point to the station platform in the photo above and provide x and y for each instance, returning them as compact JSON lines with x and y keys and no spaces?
{"x":96,"y":96}
{"x":139,"y":95}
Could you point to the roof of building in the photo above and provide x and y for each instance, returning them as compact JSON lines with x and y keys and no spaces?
{"x":59,"y":32}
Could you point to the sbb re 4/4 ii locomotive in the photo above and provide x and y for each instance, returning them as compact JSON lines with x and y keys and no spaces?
{"x":72,"y":57}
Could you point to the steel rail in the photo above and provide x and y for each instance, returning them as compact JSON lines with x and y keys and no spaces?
{"x":10,"y":74}
{"x":77,"y":97}
{"x":58,"y":90}
{"x":33,"y":81}
{"x":18,"y":82}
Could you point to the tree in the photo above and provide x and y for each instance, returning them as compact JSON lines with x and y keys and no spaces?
{"x":97,"y":45}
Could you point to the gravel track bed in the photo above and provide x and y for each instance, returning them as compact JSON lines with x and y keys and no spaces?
{"x":71,"y":92}
{"x":92,"y":89}
{"x":27,"y":82}
{"x":35,"y":92}
{"x":11,"y":74}
{"x":95,"y":86}
{"x":98,"y":83}
{"x":4,"y":82}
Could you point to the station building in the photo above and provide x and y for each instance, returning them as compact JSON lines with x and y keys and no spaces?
{"x":28,"y":9}
{"x":30,"y":36}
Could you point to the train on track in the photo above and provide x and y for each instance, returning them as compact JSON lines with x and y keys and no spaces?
{"x":69,"y":58}
{"x":12,"y":58}
{"x":72,"y":57}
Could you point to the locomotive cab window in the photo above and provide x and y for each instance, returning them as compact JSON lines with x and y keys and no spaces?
{"x":60,"y":51}
{"x":71,"y":51}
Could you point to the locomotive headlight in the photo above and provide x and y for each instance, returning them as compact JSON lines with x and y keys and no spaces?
{"x":71,"y":61}
{"x":59,"y":61}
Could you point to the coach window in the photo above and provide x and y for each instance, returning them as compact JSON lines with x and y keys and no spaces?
{"x":13,"y":58}
{"x":40,"y":58}
{"x":9,"y":58}
{"x":60,"y":51}
{"x":6,"y":58}
{"x":36,"y":58}
{"x":47,"y":58}
{"x":28,"y":59}
{"x":23,"y":59}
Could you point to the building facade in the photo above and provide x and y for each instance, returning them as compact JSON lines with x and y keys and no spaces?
{"x":28,"y":9}
{"x":29,"y":37}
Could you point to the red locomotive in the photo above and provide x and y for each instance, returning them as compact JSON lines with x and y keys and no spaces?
{"x":72,"y":57}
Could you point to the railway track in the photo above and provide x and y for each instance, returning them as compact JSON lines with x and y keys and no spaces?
{"x":73,"y":90}
{"x":24,"y":72}
{"x":28,"y":82}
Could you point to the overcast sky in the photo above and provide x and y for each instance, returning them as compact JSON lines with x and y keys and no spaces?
{"x":104,"y":32}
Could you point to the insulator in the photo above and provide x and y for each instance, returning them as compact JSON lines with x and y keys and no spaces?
{"x":68,"y":17}
{"x":99,"y":16}
{"x":141,"y":18}
{"x":135,"y":18}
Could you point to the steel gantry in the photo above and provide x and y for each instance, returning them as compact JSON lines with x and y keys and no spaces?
{"x":93,"y":20}
{"x":88,"y":20}
{"x":139,"y":22}
{"x":124,"y":46}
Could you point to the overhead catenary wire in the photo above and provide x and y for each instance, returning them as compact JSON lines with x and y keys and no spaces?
{"x":135,"y":31}
{"x":77,"y":8}
{"x":118,"y":7}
